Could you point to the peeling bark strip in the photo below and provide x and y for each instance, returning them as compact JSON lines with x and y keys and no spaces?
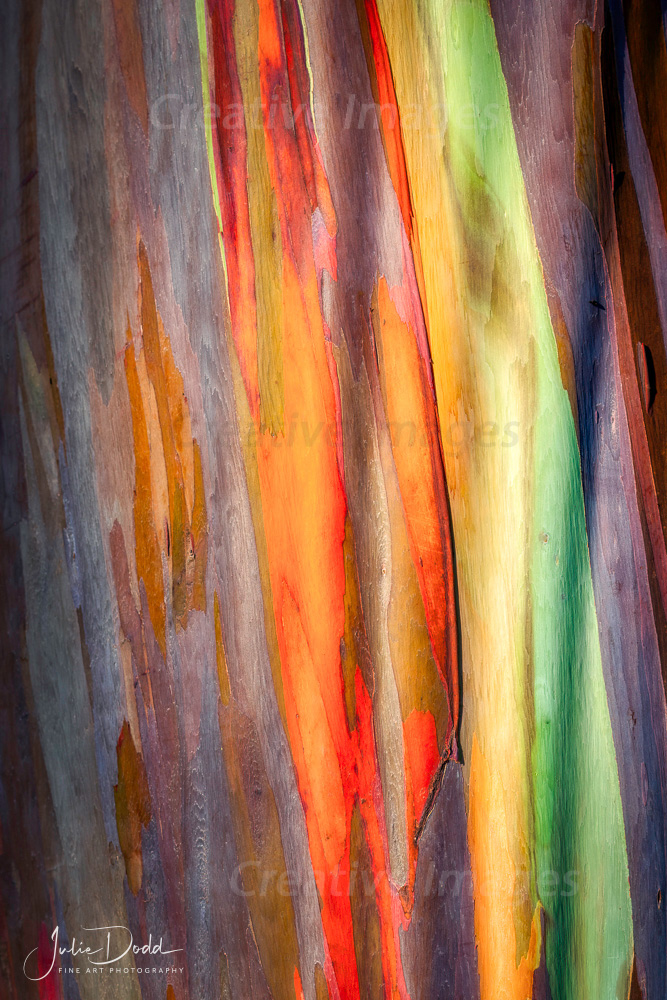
{"x":334,"y":587}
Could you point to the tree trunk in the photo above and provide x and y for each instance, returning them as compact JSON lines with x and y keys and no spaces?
{"x":334,"y":500}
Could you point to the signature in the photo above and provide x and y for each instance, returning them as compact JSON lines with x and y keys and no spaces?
{"x":101,"y":955}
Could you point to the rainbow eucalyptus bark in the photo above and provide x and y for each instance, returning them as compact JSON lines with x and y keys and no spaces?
{"x":334,"y":575}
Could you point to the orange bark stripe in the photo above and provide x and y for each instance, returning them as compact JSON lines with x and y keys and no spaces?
{"x":414,"y":447}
